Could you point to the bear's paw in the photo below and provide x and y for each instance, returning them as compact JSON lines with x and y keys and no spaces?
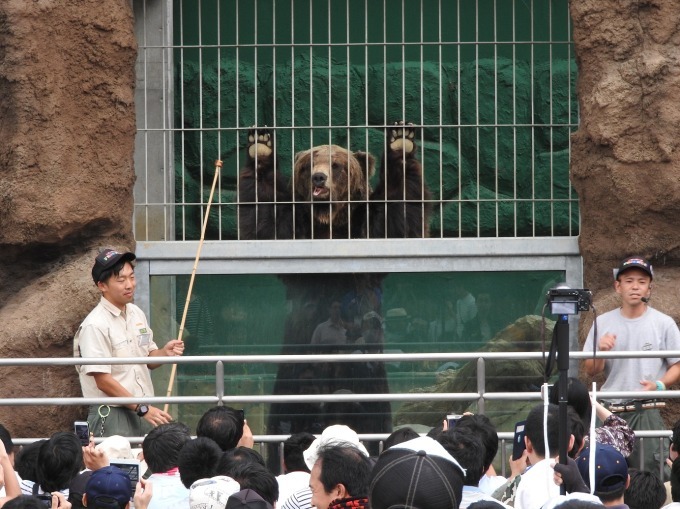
{"x":259,"y":143}
{"x":401,"y":137}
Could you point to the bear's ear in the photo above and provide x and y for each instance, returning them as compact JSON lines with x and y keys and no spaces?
{"x":366,"y":161}
{"x":302,"y":154}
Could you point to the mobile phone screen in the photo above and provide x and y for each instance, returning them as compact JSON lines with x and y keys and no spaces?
{"x":131,"y":468}
{"x":82,"y":430}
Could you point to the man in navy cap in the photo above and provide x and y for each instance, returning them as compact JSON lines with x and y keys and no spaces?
{"x":635,"y":326}
{"x":118,"y":328}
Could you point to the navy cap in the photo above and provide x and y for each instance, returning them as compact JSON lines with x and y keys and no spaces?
{"x":108,"y":259}
{"x":108,"y":487}
{"x":634,"y":262}
{"x":611,"y":469}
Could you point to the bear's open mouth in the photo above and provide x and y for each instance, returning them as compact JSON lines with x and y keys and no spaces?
{"x":320,"y":192}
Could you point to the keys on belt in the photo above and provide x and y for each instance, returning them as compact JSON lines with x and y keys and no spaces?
{"x":635,"y":405}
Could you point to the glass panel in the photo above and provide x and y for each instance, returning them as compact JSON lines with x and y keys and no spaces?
{"x":354,"y":313}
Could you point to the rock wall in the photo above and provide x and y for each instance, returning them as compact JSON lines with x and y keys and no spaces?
{"x":67,"y":127}
{"x":625,"y":161}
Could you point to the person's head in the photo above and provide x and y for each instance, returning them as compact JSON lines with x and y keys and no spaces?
{"x":114,"y":275}
{"x":247,"y":499}
{"x":76,"y":489}
{"x":466,"y":447}
{"x":27,"y":460}
{"x":340,"y":471}
{"x":198,"y":459}
{"x":293,"y":449}
{"x":416,"y":474}
{"x":645,"y":491}
{"x":25,"y":502}
{"x":577,"y":397}
{"x":231,"y":459}
{"x":212,"y":493}
{"x":256,"y":477}
{"x":399,"y":436}
{"x":59,"y":461}
{"x":107,"y":488}
{"x":482,"y":426}
{"x":633,"y":280}
{"x":536,"y":446}
{"x":116,"y":447}
{"x":485,"y":504}
{"x":611,"y":472}
{"x":337,"y":434}
{"x":163,"y":444}
{"x":223,"y":424}
{"x":6,"y":438}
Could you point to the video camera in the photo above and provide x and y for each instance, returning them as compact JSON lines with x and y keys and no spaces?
{"x":568,"y":301}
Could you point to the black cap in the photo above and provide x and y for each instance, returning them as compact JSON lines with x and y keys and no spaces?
{"x":634,"y":262}
{"x":108,"y":259}
{"x":247,"y":499}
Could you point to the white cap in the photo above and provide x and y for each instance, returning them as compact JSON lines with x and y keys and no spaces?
{"x":336,"y":434}
{"x":116,"y":447}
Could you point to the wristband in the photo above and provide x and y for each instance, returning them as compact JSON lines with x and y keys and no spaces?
{"x":660,"y":386}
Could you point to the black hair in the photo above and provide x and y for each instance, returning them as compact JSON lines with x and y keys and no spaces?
{"x":467,"y":448}
{"x":293,"y":451}
{"x":485,"y":504}
{"x":27,"y":459}
{"x":198,"y":459}
{"x":534,"y":428}
{"x":114,"y":271}
{"x":577,"y":397}
{"x":162,"y":446}
{"x":230,"y":459}
{"x":346,"y":465}
{"x":482,"y":426}
{"x":578,"y":429}
{"x":400,"y":436}
{"x":576,"y":503}
{"x":6,"y":438}
{"x":25,"y":502}
{"x":646,"y":491}
{"x":436,"y":431}
{"x":256,"y":477}
{"x":59,"y":461}
{"x":223,"y":424}
{"x":675,"y":438}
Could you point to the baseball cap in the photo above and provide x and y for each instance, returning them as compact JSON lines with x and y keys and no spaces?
{"x":336,"y":434}
{"x":634,"y":262}
{"x":247,"y":499}
{"x":611,"y":469}
{"x":418,"y":473}
{"x":116,"y":447}
{"x":108,"y":259}
{"x":212,"y":493}
{"x":109,"y":487}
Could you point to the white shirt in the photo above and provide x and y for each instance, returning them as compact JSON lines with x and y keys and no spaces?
{"x":537,"y":486}
{"x":290,"y":483}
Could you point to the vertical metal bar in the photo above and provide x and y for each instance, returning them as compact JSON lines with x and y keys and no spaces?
{"x":477,"y":120}
{"x":274,"y":72}
{"x":237,"y":100}
{"x":182,"y":117}
{"x":292,"y":105}
{"x":219,"y":121}
{"x":495,"y":114}
{"x":514,"y":119}
{"x":219,"y":382}
{"x":481,"y":385}
{"x":460,"y":132}
{"x":552,"y":120}
{"x":441,"y":122}
{"x":533,"y":127}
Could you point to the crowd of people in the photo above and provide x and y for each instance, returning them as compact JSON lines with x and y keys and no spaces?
{"x":217,"y":466}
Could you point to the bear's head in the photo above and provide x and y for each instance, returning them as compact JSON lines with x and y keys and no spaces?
{"x":330,"y":177}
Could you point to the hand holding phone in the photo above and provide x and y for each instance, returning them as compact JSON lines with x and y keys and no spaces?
{"x":518,"y":444}
{"x":452,"y":420}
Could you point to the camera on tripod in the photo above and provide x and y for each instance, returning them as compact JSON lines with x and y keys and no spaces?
{"x":568,"y":301}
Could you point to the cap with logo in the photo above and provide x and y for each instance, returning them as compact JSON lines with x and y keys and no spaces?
{"x":634,"y":262}
{"x":108,"y":259}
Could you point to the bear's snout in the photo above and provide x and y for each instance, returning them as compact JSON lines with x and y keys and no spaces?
{"x":319,"y":179}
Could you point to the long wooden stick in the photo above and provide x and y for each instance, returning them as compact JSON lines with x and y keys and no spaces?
{"x":173,"y":373}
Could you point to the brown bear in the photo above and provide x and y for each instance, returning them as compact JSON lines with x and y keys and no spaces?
{"x":331,"y":193}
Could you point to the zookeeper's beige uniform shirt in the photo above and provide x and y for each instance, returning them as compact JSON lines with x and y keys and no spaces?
{"x":107,"y":332}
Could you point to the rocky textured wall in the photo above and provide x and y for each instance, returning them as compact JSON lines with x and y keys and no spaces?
{"x":625,"y":163}
{"x":67,"y":126}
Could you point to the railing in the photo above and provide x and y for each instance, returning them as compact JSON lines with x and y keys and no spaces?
{"x":219,"y":397}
